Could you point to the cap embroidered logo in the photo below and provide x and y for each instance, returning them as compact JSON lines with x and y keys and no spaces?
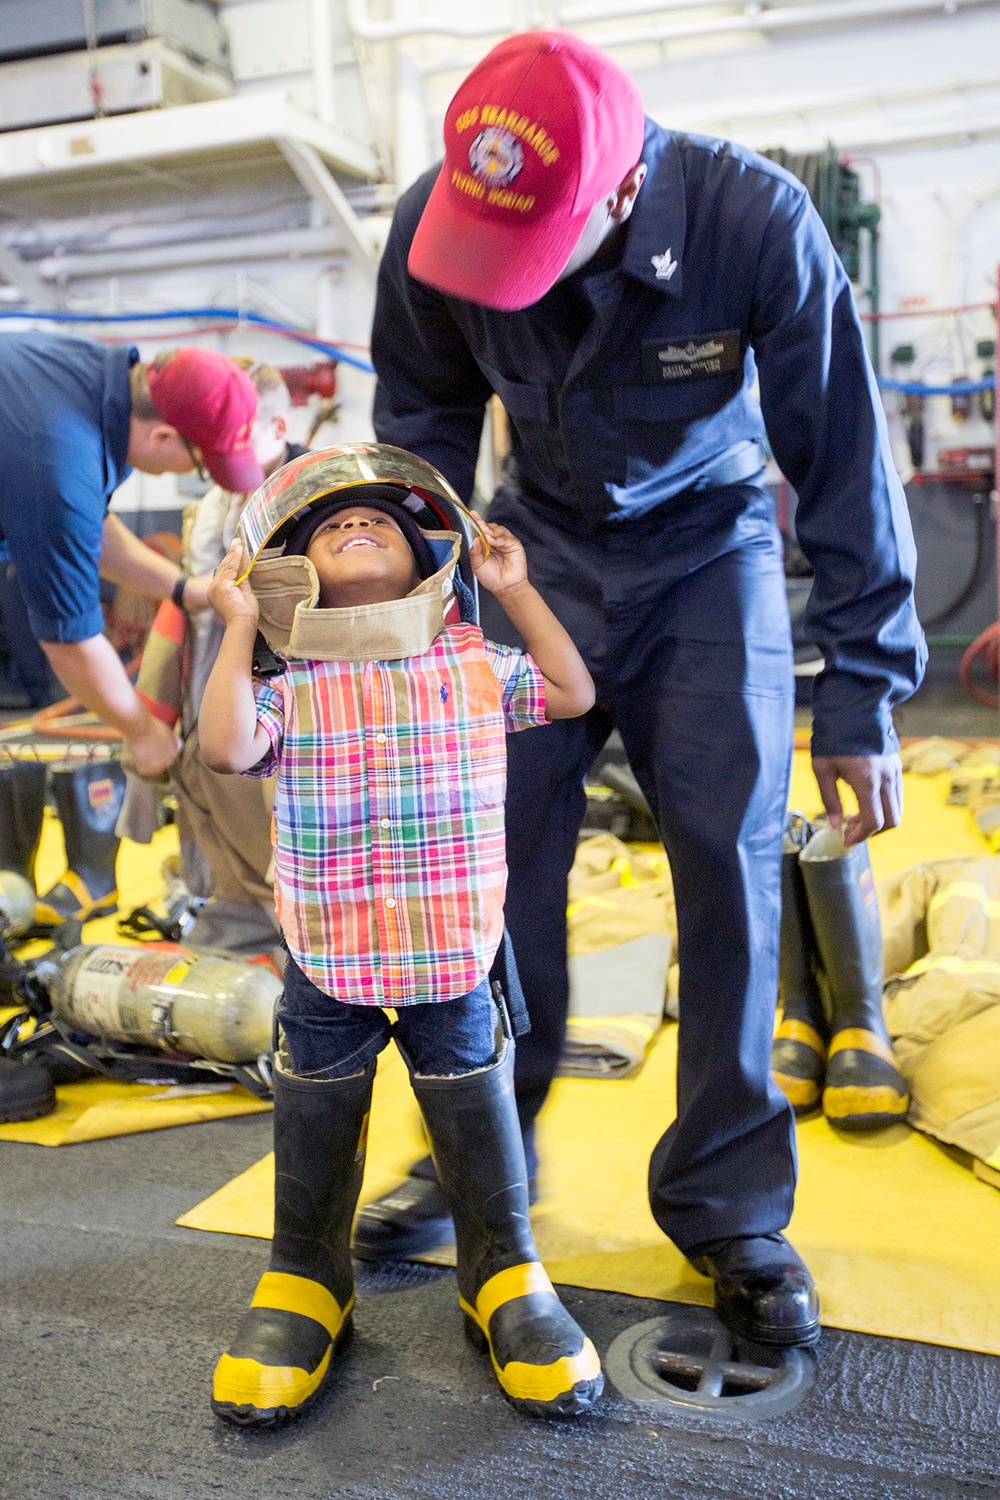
{"x":495,"y":156}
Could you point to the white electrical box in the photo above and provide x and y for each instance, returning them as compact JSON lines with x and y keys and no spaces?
{"x":30,"y":28}
{"x":63,"y":87}
{"x":268,"y":39}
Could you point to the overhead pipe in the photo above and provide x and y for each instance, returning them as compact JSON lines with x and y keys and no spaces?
{"x":411,"y":154}
{"x":582,"y":15}
{"x":234,"y":315}
{"x":798,"y":106}
{"x":929,"y":312}
{"x":321,"y":46}
{"x":134,"y":260}
{"x":784,"y":18}
{"x":904,"y":137}
{"x":393,"y":31}
{"x":954,"y":388}
{"x":410,"y":148}
{"x":748,"y":20}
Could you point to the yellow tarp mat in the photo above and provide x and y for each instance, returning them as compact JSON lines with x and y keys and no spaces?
{"x":97,"y":1108}
{"x":903,"y":1240}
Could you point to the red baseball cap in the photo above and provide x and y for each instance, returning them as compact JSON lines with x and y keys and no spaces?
{"x":540,"y":131}
{"x":212,"y":403}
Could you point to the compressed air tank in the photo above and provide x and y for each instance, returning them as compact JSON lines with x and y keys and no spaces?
{"x":17,"y":904}
{"x":212,"y":1007}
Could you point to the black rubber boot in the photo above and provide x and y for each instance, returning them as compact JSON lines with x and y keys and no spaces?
{"x":300,"y":1315}
{"x":864,"y":1088}
{"x":22,"y":808}
{"x":544,"y":1363}
{"x":88,"y":797}
{"x":26,"y":1090}
{"x":798,"y":1056}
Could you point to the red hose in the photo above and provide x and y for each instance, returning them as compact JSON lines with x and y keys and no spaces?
{"x":987,"y":646}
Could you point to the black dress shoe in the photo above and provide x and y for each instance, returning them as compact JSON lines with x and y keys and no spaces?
{"x":763,"y":1290}
{"x":410,"y":1220}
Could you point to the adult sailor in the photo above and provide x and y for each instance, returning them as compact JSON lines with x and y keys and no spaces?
{"x":621,"y":287}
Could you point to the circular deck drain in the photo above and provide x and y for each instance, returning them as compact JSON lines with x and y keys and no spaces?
{"x":689,"y":1360}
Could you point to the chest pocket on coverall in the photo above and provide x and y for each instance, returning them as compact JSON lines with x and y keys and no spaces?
{"x":653,"y":421}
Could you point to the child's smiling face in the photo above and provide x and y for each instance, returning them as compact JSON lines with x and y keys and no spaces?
{"x":361,"y":557}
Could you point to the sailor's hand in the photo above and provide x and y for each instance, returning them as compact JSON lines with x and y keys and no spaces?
{"x":876,"y":781}
{"x":232,"y":600}
{"x":152,"y":748}
{"x":196,"y":592}
{"x":506,"y":567}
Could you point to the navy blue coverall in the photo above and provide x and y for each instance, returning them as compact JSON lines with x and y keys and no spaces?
{"x":635,"y":484}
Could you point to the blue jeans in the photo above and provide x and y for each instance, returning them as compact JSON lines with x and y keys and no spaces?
{"x":327,"y":1039}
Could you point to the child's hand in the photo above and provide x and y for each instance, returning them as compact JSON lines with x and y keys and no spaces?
{"x":506,"y":567}
{"x":232,"y":600}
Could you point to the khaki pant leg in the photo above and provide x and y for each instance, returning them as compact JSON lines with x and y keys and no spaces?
{"x":230,"y":819}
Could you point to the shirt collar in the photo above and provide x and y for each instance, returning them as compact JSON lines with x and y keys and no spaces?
{"x":654,"y":249}
{"x":116,"y":412}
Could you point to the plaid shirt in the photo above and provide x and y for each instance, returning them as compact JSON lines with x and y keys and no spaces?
{"x":389,"y":868}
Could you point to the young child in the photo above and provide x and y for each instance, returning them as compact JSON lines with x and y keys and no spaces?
{"x":389,"y":877}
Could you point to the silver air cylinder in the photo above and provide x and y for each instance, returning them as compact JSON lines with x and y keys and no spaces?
{"x":211,"y":1007}
{"x":17,"y":904}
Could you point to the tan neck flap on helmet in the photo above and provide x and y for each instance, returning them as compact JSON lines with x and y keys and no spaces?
{"x":287,"y":590}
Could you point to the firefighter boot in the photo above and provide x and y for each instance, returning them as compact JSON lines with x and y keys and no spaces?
{"x":798,"y":1055}
{"x":544,"y":1363}
{"x":864,"y":1087}
{"x":26,"y":1090}
{"x":22,"y":807}
{"x":88,"y":797}
{"x":300,"y":1315}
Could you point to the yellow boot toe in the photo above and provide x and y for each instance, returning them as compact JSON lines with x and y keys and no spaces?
{"x":281,"y":1357}
{"x":544,"y":1363}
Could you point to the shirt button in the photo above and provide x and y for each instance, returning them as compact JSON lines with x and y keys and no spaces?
{"x":385,"y":823}
{"x":391,"y":902}
{"x":380,"y":739}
